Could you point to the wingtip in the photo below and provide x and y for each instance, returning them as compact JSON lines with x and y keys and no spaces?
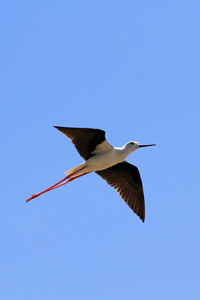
{"x":142,"y":218}
{"x":57,"y":127}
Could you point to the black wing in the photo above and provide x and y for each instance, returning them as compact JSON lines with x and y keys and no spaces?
{"x":125,"y":178}
{"x":86,"y":140}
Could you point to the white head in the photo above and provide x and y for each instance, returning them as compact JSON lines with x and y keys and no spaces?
{"x":132,"y":146}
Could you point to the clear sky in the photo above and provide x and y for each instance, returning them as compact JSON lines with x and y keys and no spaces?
{"x":131,"y":68}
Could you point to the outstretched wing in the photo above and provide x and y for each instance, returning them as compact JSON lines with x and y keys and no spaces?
{"x":125,"y":178}
{"x":87,"y":141}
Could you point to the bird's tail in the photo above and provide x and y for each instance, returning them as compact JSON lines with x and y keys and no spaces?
{"x":76,"y":171}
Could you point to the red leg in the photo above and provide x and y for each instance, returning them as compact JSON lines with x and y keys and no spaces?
{"x":53,"y":186}
{"x":71,"y":179}
{"x":58,"y":184}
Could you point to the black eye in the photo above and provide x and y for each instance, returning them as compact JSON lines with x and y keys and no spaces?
{"x":132,"y":143}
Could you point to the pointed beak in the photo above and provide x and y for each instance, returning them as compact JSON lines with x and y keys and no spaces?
{"x":140,"y":146}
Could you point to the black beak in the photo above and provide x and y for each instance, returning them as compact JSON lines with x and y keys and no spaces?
{"x":147,"y":145}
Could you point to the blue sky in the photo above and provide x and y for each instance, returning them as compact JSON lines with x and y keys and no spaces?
{"x":130,"y":68}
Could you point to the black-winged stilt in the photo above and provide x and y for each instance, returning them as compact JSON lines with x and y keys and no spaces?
{"x":108,"y":162}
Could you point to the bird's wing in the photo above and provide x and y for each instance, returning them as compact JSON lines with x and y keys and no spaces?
{"x":87,"y":141}
{"x":125,"y":178}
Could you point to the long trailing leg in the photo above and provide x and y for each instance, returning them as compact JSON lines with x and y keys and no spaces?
{"x":68,"y":178}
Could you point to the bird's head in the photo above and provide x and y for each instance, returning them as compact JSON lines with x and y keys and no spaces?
{"x":132,"y":146}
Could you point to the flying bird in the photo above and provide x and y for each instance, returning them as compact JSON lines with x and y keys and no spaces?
{"x":106,"y":161}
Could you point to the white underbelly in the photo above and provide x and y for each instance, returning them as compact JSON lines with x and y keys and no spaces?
{"x":105,"y":160}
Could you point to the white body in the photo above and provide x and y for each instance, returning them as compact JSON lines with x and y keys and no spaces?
{"x":104,"y":158}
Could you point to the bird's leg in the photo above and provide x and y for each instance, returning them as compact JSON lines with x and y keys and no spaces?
{"x":47,"y":190}
{"x":70,"y":179}
{"x":58,"y":184}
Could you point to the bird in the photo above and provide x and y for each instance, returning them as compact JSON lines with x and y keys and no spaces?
{"x":106,"y":161}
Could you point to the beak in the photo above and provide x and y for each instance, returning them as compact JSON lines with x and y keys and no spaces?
{"x":140,"y":146}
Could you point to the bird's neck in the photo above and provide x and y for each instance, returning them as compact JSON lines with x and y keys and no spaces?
{"x":123,"y":150}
